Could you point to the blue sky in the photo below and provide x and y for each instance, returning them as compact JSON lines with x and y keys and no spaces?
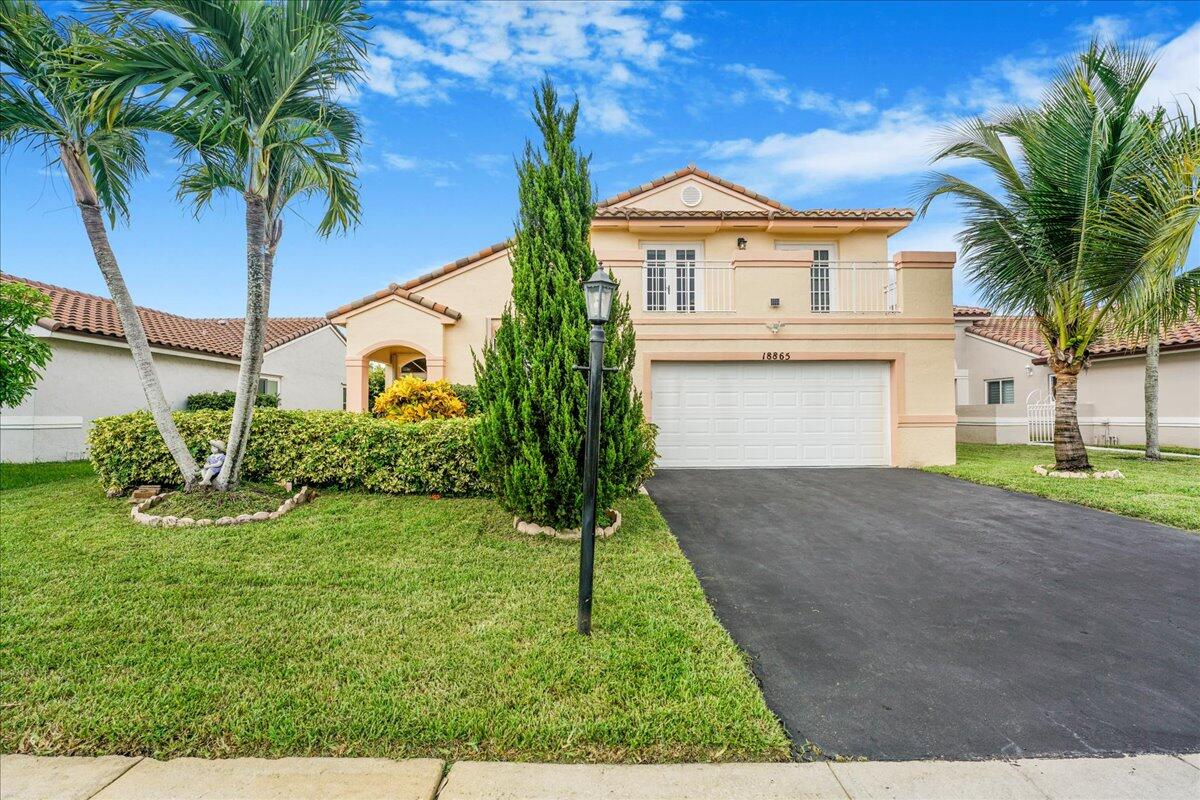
{"x":815,"y":104}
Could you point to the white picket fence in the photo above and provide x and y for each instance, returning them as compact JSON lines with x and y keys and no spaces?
{"x":1040,"y":416}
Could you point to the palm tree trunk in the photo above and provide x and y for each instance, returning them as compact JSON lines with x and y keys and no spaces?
{"x":1069,"y":451}
{"x":135,"y":333}
{"x":253,"y":339}
{"x":1152,"y":450}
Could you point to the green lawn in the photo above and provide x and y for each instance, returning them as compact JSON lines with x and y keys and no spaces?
{"x":1167,"y":491}
{"x":360,"y":625}
{"x":14,"y":476}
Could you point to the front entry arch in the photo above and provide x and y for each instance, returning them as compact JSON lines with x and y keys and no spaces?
{"x":394,"y":355}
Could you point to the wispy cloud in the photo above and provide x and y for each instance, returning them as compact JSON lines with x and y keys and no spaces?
{"x":775,"y":88}
{"x":504,"y":46}
{"x":1106,"y":28}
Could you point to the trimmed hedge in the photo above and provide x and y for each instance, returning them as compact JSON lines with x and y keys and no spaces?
{"x":223,"y":401}
{"x":469,"y":394}
{"x":322,"y":448}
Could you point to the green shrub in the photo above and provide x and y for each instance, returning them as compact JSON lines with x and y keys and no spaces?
{"x":223,"y":401}
{"x":321,"y":448}
{"x":469,"y":394}
{"x":413,"y":399}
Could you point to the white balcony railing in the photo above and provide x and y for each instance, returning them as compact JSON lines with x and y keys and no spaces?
{"x":829,"y":287}
{"x":687,"y":287}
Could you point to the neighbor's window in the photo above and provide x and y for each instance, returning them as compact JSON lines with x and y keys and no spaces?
{"x":820,"y":283}
{"x":268,"y":386}
{"x":1000,"y":392}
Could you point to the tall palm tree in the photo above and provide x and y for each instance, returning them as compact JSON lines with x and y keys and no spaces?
{"x":1043,"y":246}
{"x":1159,"y":214}
{"x":100,"y":147}
{"x":258,"y":85}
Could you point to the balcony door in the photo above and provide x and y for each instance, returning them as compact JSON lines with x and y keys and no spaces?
{"x":822,"y":285}
{"x":674,"y":277}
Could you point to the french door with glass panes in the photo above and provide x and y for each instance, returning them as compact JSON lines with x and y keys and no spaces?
{"x":674,"y":278}
{"x":822,"y":288}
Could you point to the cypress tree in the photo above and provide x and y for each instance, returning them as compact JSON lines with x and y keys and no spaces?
{"x":530,"y":440}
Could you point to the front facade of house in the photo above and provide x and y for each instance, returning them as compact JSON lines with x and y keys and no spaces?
{"x":1001,"y":379}
{"x":766,"y":336}
{"x":91,"y":373}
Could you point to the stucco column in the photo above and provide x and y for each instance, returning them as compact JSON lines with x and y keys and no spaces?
{"x":435,"y":368}
{"x":390,"y":371}
{"x":357,"y":380}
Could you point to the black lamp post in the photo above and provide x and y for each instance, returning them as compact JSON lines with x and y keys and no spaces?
{"x":598,"y":292}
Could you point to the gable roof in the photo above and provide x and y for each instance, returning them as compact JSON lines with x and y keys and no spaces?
{"x":603,"y":211}
{"x":93,"y":315}
{"x":1022,"y":333}
{"x":778,"y":209}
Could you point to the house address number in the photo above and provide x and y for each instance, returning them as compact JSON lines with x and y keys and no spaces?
{"x":772,"y":355}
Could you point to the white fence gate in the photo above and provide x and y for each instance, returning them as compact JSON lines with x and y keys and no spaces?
{"x":1040,"y":416}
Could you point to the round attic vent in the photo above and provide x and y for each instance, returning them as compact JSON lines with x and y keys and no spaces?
{"x":691,"y":195}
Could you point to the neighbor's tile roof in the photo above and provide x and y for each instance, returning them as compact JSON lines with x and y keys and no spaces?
{"x":971,"y":311}
{"x":91,"y":314}
{"x":1022,"y":332}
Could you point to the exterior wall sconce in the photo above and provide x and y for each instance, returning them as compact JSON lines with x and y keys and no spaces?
{"x":741,"y":243}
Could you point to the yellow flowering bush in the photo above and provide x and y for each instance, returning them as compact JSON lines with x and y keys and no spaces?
{"x":411,"y":399}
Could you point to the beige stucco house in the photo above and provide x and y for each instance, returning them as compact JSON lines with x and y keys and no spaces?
{"x":91,"y":372}
{"x":766,"y":335}
{"x":1002,"y":382}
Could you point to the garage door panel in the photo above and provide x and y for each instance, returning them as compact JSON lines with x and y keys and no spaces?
{"x":771,"y":414}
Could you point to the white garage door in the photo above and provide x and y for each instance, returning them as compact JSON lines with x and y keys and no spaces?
{"x":771,"y":413}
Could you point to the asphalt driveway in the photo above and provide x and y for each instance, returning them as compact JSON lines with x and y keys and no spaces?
{"x":896,"y":614}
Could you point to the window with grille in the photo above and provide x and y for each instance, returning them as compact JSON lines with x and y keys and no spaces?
{"x":820,"y":285}
{"x":1000,"y":392}
{"x":656,"y":279}
{"x":685,"y":279}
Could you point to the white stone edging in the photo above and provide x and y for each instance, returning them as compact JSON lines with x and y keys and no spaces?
{"x":569,"y":535}
{"x":1046,"y":472}
{"x":138,"y":512}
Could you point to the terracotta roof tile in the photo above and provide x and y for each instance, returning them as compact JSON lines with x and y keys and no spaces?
{"x":691,"y":169}
{"x":95,"y":315}
{"x":628,"y":212}
{"x":1022,"y":332}
{"x":971,"y":311}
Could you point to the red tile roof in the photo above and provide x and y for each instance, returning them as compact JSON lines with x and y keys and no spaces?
{"x":629,"y":212}
{"x":1022,"y":332}
{"x":971,"y":311}
{"x":94,"y":315}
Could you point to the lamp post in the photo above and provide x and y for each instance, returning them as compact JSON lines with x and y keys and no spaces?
{"x":598,"y":293}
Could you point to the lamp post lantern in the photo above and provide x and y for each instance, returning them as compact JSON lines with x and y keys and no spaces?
{"x":598,"y":293}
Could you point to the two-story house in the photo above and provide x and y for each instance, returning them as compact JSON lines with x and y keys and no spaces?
{"x":766,"y":336}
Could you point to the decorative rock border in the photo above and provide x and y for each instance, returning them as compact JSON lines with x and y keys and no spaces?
{"x":138,"y":512}
{"x":569,"y":535}
{"x":1046,"y":472}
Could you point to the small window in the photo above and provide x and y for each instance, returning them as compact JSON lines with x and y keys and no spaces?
{"x":268,"y":386}
{"x":1000,"y":392}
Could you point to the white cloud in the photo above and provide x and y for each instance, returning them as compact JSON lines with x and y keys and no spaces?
{"x":506,"y":46}
{"x":1106,"y":28}
{"x":672,"y":12}
{"x":398,"y":162}
{"x":897,"y":144}
{"x":1177,"y":73}
{"x":770,"y":85}
{"x":683,"y":41}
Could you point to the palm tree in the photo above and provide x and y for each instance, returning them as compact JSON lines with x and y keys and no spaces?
{"x":100,"y":147}
{"x":257,"y":84}
{"x":1159,"y":215}
{"x":1044,"y":246}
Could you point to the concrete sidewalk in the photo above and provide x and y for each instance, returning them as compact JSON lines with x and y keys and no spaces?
{"x":1161,"y":777}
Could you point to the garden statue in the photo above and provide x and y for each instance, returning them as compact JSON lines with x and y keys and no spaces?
{"x":212,"y":465}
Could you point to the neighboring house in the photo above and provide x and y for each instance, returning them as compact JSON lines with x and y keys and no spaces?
{"x":1002,"y":382}
{"x":92,"y":373}
{"x":766,"y":336}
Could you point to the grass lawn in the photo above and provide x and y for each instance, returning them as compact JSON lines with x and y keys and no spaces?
{"x":246,"y":499}
{"x":360,"y":625}
{"x":14,"y":476}
{"x":1167,"y":491}
{"x":1166,"y":448}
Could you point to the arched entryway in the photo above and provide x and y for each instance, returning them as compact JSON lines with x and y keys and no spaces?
{"x":397,"y":358}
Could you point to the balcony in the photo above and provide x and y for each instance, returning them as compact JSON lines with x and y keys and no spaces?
{"x":671,"y":287}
